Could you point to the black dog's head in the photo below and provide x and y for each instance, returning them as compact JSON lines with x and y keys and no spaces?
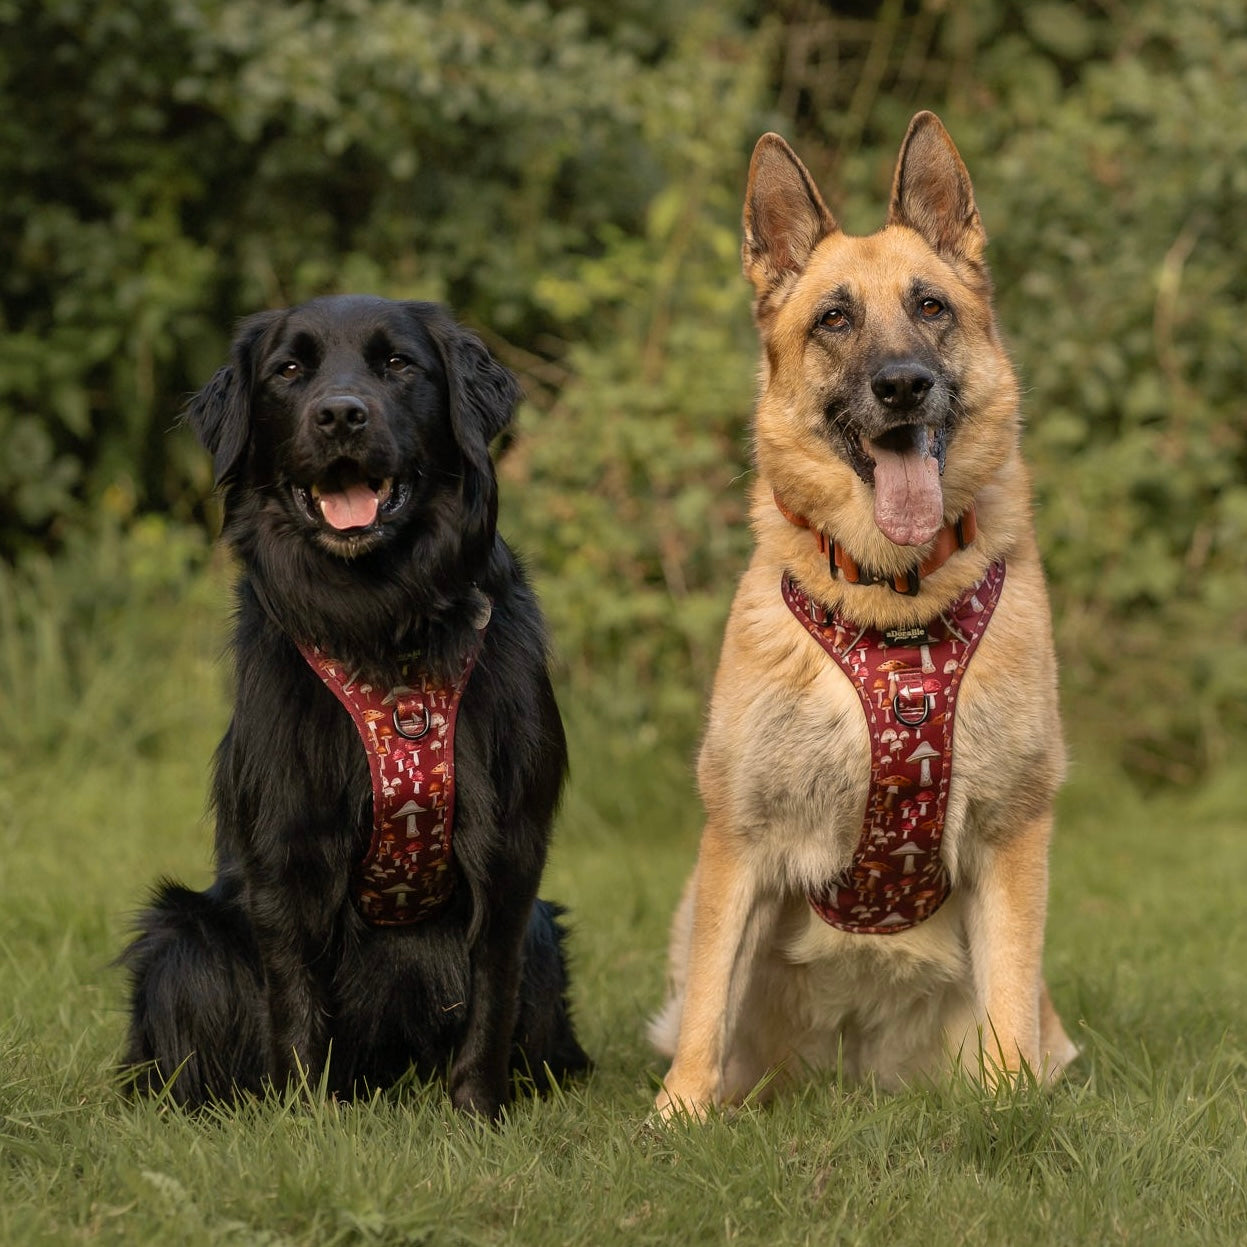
{"x":351,"y":436}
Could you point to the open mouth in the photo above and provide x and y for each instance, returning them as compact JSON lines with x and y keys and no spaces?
{"x":904,"y":465}
{"x":342,"y":503}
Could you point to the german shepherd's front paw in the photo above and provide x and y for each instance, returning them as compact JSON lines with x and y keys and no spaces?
{"x":678,"y":1097}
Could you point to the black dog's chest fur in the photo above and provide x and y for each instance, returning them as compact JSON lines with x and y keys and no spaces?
{"x":272,"y":973}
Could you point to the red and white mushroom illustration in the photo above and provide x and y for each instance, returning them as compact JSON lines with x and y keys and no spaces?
{"x":923,"y":755}
{"x":928,"y":666}
{"x":931,"y":687}
{"x":924,"y":798}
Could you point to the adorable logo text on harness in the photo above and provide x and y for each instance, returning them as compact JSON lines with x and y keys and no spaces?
{"x":408,"y":733}
{"x":907,"y":680}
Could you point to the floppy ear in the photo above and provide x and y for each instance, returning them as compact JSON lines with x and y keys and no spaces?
{"x":482,"y":396}
{"x":220,"y":413}
{"x":931,"y":192}
{"x":785,"y":217}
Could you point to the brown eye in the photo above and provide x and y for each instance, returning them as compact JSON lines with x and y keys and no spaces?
{"x":399,"y":363}
{"x":931,"y":308}
{"x":290,"y":369}
{"x":836,"y":318}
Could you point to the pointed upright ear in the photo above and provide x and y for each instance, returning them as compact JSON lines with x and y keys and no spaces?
{"x":482,"y":396}
{"x":931,"y":192}
{"x":220,"y":414}
{"x":784,"y":219}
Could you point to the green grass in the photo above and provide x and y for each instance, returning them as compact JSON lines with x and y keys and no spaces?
{"x":1144,"y":1143}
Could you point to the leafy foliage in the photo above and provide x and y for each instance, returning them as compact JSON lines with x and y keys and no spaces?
{"x":568,"y":176}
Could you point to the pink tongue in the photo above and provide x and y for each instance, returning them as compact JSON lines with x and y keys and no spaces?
{"x":355,"y":507}
{"x":909,"y":503}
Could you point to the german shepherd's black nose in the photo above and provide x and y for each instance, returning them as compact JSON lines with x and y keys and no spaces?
{"x":341,"y":415}
{"x":902,"y":384}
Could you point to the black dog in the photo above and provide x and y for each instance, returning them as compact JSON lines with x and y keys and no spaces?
{"x":351,"y":436}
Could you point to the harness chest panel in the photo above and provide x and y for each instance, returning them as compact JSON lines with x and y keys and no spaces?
{"x":907,"y":680}
{"x":408,"y":734}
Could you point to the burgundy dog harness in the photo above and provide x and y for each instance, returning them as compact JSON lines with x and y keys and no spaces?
{"x":408,"y":732}
{"x":907,"y":680}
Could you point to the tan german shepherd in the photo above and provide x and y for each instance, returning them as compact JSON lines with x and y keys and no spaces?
{"x":886,"y":431}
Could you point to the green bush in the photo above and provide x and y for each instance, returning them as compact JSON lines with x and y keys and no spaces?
{"x":569,"y":177}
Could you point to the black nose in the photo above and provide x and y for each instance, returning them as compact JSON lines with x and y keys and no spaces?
{"x":902,"y":384}
{"x":341,"y":415}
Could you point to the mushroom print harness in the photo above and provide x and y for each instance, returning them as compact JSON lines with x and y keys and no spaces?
{"x":907,"y":680}
{"x":408,"y":733}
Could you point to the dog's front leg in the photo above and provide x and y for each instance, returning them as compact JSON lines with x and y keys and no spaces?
{"x":730,"y":919}
{"x":296,"y":1016}
{"x":480,"y":1071}
{"x":1007,"y":908}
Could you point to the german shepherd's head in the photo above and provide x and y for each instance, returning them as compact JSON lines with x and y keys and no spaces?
{"x":887,"y":400}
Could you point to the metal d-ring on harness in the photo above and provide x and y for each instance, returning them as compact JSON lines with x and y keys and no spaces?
{"x":404,"y":727}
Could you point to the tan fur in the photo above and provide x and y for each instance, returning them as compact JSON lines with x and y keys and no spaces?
{"x":760,"y":985}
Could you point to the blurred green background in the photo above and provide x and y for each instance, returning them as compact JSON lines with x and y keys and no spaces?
{"x":568,"y":176}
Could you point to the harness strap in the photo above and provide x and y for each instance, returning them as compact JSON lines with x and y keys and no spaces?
{"x":408,"y":734}
{"x":907,"y":680}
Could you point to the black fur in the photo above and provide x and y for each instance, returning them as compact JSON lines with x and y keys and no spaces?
{"x":272,"y":971}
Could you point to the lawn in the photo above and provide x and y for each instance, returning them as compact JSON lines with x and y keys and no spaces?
{"x":102,"y":790}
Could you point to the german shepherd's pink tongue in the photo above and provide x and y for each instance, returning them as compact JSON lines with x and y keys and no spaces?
{"x":909,"y":501}
{"x":353,"y":507}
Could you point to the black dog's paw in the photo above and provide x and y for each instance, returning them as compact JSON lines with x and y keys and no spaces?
{"x":473,"y":1095}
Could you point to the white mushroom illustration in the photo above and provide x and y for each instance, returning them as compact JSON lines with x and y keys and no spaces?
{"x":409,"y":812}
{"x":923,"y":754}
{"x":909,"y":851}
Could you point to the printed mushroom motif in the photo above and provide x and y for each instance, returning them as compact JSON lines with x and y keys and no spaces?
{"x":928,"y":666}
{"x":893,"y":784}
{"x":892,"y":666}
{"x":909,"y":851}
{"x":881,"y":695}
{"x":924,"y":798}
{"x":409,"y":812}
{"x":874,"y":872}
{"x":931,"y":687}
{"x":950,"y":666}
{"x":923,"y":755}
